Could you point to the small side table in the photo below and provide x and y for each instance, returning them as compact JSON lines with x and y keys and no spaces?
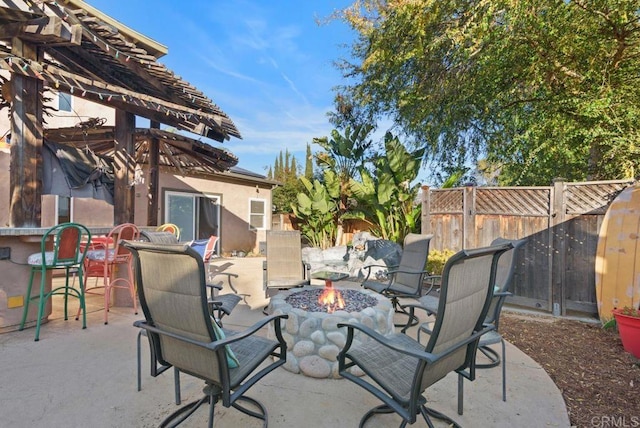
{"x":329,"y":277}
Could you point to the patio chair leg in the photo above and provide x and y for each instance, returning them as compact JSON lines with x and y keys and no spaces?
{"x":176,"y":382}
{"x":262,"y":414}
{"x":441,"y":416}
{"x":139,"y":363}
{"x":504,"y":371}
{"x":399,"y":309}
{"x":460,"y":394}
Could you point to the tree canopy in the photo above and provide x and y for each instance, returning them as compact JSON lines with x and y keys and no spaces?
{"x":538,"y":88}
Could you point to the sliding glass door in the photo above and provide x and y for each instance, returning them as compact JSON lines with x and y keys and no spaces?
{"x":197,"y":215}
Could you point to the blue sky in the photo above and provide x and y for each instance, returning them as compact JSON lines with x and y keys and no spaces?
{"x":266,"y":63}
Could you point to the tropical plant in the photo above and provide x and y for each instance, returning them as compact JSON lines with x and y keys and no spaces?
{"x":316,"y":210}
{"x":386,"y":197}
{"x":343,"y":156}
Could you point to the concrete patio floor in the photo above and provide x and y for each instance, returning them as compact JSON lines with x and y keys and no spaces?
{"x":77,"y":378}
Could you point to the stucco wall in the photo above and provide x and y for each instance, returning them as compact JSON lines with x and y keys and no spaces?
{"x":235,"y":233}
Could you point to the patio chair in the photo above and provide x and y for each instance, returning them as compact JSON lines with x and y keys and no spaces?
{"x":406,"y":279}
{"x":399,"y":369}
{"x":158,"y":237}
{"x":60,"y":248}
{"x":171,"y":228}
{"x":109,"y":259}
{"x":284,"y":269}
{"x":502,"y":285}
{"x":172,"y":290}
{"x":219,"y":306}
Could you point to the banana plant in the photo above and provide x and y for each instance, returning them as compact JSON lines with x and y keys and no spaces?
{"x":342,"y":158}
{"x":386,"y":196}
{"x":316,"y":210}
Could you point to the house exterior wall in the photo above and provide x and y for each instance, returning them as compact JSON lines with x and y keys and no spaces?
{"x":235,"y":196}
{"x":81,"y":110}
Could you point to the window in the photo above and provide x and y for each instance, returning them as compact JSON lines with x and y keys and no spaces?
{"x":64,"y":101}
{"x":257,"y":213}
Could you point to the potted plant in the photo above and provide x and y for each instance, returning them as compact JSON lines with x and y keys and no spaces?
{"x":628,"y":322}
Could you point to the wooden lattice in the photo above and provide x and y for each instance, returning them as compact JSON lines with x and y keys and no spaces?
{"x":522,"y":201}
{"x":592,"y":198}
{"x":446,"y":201}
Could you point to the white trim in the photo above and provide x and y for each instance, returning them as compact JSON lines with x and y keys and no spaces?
{"x":264,"y":214}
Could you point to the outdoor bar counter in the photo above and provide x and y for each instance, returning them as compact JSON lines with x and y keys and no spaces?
{"x":14,"y":275}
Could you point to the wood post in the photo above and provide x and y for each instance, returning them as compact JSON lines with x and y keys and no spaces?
{"x":26,"y":143}
{"x":469,"y":217}
{"x":123,"y":159}
{"x":425,"y":228}
{"x":153,"y":187}
{"x":559,"y":248}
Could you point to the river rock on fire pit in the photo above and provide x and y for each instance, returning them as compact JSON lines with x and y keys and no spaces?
{"x":314,"y":340}
{"x":315,"y":366}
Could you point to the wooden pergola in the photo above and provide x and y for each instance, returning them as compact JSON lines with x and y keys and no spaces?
{"x":70,"y":47}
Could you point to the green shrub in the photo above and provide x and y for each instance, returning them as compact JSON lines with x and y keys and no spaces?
{"x":437,"y":259}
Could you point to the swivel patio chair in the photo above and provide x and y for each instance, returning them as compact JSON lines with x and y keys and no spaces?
{"x":172,"y":290}
{"x":406,"y":279}
{"x":399,"y":369}
{"x":283,"y":268}
{"x":219,"y":305}
{"x":110,"y":259}
{"x":504,"y":275}
{"x":60,"y":248}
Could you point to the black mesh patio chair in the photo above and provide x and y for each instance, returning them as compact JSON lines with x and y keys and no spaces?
{"x":171,"y":283}
{"x":502,"y":285}
{"x":399,"y":369}
{"x":406,"y":279}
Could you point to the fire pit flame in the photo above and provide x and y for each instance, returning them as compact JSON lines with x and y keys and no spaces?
{"x":332,"y":299}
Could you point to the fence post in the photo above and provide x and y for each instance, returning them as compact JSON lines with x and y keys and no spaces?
{"x":469,"y":217}
{"x":559,"y":249}
{"x":425,"y":227}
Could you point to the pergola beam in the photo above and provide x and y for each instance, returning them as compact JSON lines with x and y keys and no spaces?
{"x":48,"y":29}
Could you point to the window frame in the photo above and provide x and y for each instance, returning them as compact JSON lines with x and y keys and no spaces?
{"x":263,"y":213}
{"x":64,"y":95}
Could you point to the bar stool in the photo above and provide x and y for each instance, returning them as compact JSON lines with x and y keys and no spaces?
{"x":66,"y":241}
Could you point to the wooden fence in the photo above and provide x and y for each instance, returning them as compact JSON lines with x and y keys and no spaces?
{"x":555,"y":268}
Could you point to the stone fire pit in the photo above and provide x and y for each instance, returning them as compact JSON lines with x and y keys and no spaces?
{"x":312,"y":335}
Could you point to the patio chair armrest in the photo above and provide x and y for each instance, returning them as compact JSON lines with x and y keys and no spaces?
{"x":217,"y":286}
{"x":430,"y":358}
{"x":239,"y":335}
{"x":431,"y":279}
{"x":368,"y":268}
{"x":382,"y":340}
{"x":217,"y":344}
{"x":503,"y":294}
{"x":229,"y":275}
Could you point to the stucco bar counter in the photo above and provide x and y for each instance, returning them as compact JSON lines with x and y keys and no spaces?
{"x":14,"y":275}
